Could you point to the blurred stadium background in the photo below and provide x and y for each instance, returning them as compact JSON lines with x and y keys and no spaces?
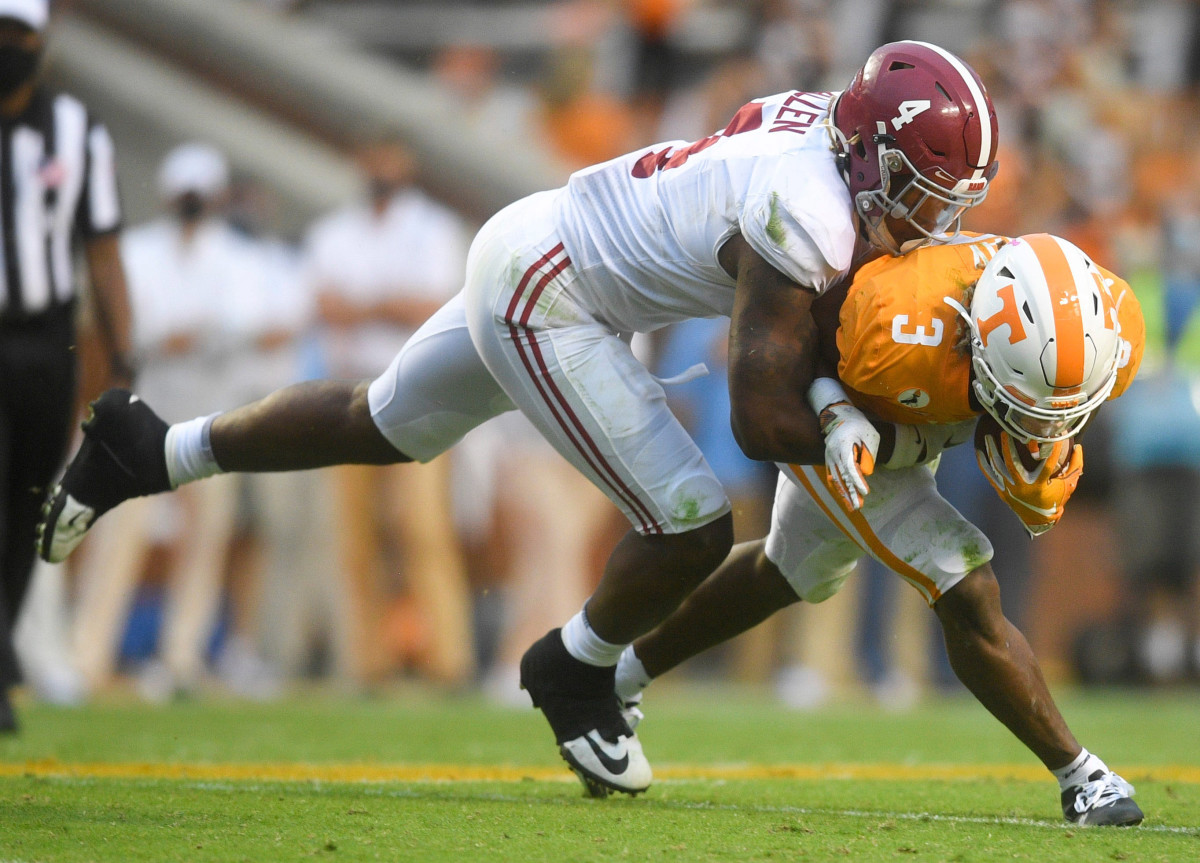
{"x":1099,"y":121}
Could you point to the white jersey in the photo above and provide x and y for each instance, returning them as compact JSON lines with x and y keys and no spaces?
{"x":181,"y":289}
{"x":643,"y":230}
{"x":415,"y":250}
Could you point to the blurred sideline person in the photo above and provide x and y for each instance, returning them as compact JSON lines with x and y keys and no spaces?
{"x":1027,"y":332}
{"x":1156,"y":444}
{"x":186,"y":270}
{"x":546,"y":522}
{"x":285,"y":604}
{"x":58,"y":195}
{"x":282,"y":527}
{"x":754,"y":222}
{"x":379,"y":268}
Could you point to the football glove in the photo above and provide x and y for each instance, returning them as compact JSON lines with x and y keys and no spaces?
{"x":851,"y":441}
{"x":1038,"y":495}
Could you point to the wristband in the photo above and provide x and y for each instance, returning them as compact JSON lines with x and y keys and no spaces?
{"x":825,"y":392}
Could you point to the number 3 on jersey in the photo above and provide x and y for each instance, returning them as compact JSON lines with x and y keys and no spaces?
{"x":903,"y":334}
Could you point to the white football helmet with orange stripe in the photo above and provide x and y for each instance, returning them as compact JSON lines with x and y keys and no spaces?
{"x":1044,"y":338}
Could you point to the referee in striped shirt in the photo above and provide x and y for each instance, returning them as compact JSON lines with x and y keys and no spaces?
{"x":58,"y":196}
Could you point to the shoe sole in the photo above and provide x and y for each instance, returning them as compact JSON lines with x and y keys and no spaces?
{"x":1086,"y":822}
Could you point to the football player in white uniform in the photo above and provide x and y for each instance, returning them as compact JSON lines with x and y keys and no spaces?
{"x":1032,"y":339}
{"x":753,"y":222}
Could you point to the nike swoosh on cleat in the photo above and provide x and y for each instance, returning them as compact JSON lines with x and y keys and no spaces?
{"x":606,"y":753}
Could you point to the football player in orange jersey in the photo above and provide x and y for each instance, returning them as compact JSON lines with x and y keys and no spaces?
{"x":1030,"y":334}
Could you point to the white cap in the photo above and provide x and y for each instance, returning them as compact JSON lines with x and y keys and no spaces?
{"x":35,"y":13}
{"x":199,"y":168}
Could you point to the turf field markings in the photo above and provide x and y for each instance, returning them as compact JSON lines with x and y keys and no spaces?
{"x":438,"y":791}
{"x":297,"y":772}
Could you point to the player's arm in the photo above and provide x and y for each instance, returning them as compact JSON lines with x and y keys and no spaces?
{"x":773,"y":348}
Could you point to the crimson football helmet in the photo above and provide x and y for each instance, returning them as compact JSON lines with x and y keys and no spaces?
{"x":1045,"y":340}
{"x":917,"y":135}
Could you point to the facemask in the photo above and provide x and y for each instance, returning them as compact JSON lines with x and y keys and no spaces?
{"x":17,"y":66}
{"x":189,"y":207}
{"x":383,"y":191}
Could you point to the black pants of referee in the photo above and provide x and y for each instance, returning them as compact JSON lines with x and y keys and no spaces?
{"x":37,"y":399}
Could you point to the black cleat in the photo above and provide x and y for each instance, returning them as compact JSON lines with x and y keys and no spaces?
{"x":1105,"y":800}
{"x":578,"y":701}
{"x":122,"y":456}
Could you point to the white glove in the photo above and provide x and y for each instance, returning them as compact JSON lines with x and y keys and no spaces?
{"x":851,"y":442}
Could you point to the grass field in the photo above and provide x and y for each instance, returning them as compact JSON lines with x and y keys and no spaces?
{"x":417,"y":777}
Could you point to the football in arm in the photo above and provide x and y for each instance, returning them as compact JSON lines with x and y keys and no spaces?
{"x":1030,"y":458}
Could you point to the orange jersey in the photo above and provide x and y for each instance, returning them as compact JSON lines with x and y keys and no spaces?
{"x":904,"y":355}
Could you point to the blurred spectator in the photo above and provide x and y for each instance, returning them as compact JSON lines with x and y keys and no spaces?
{"x":698,"y":111}
{"x":281,"y":601}
{"x":1156,"y":494}
{"x":657,"y":59}
{"x":794,"y":44}
{"x":185,"y":269}
{"x":485,"y":101}
{"x":549,"y":527}
{"x":379,"y":268}
{"x":582,"y":124}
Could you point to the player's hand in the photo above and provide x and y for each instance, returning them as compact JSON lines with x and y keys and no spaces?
{"x":851,"y":444}
{"x":1038,"y":494}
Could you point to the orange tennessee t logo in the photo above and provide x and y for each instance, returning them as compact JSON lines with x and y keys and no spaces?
{"x":1008,"y":314}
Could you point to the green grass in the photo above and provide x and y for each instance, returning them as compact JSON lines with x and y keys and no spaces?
{"x":48,"y":815}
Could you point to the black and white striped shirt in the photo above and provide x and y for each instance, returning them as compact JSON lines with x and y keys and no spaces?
{"x":57,"y":185}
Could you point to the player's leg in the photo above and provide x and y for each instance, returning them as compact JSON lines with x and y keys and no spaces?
{"x":914,"y":531}
{"x":682,"y":530}
{"x":993,"y":660}
{"x":583,"y":389}
{"x":745,"y":590}
{"x":803,"y":556}
{"x":435,"y":390}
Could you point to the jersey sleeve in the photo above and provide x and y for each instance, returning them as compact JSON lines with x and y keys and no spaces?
{"x":898,"y":340}
{"x":1132,"y":332}
{"x":798,"y":216}
{"x":100,"y":204}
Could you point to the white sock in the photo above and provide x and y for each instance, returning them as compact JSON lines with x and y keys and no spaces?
{"x":189,"y":453}
{"x":1078,"y":771}
{"x":631,"y":675}
{"x":584,"y":644}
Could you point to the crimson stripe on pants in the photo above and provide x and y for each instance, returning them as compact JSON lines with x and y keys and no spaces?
{"x":527,"y":344}
{"x":537,"y":265}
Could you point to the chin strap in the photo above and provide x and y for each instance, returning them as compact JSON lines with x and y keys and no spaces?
{"x":838,"y":142}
